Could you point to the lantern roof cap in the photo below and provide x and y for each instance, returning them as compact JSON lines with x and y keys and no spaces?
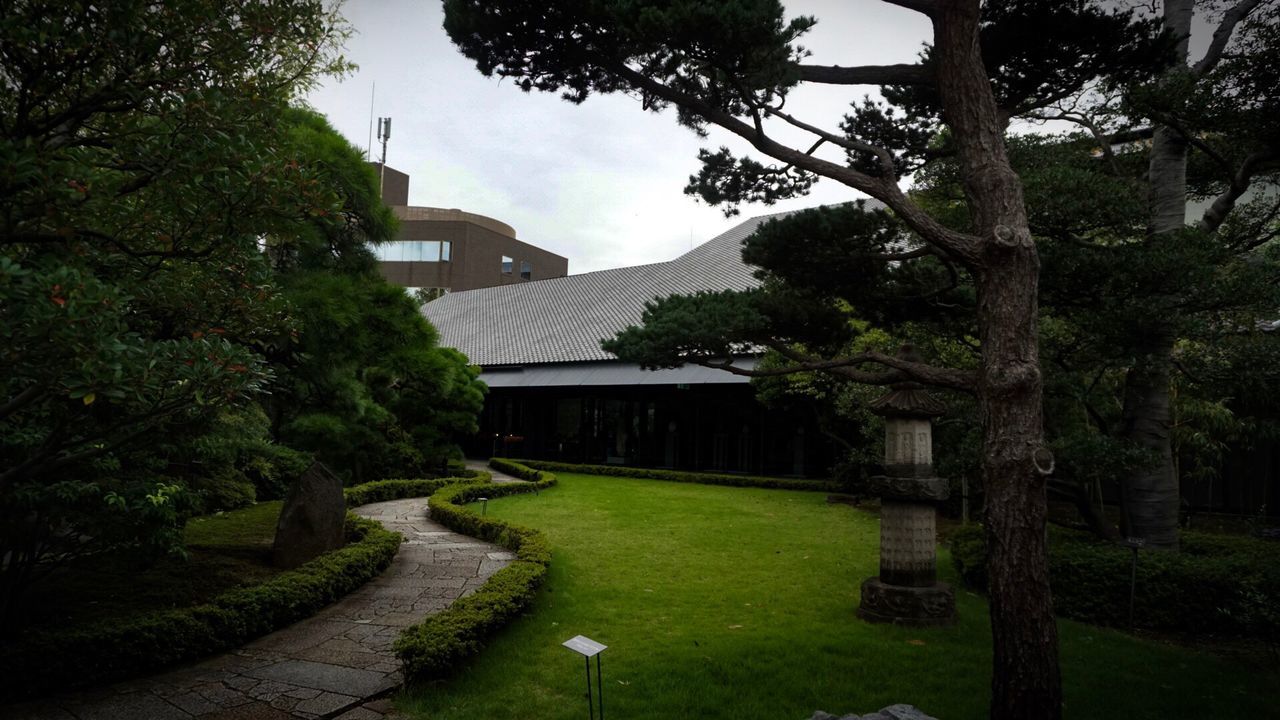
{"x":908,"y":399}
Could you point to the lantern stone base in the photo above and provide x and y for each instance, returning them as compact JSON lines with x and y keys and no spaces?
{"x":911,"y":606}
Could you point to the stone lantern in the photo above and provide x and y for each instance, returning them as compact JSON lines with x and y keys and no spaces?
{"x":907,"y":591}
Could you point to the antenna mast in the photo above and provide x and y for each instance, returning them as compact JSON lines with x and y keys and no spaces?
{"x":384,"y":134}
{"x":368,"y":149}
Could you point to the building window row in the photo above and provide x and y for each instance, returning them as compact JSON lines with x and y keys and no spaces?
{"x":508,"y":267}
{"x":415,"y":251}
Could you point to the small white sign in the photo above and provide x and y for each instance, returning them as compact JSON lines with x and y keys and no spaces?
{"x":584,"y":645}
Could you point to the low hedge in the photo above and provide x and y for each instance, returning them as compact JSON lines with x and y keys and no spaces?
{"x":1215,"y":584}
{"x":436,"y":646}
{"x":45,"y":661}
{"x":384,"y":490}
{"x":677,"y":475}
{"x":519,"y":468}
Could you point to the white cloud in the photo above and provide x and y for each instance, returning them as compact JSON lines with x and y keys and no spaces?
{"x":600,"y":183}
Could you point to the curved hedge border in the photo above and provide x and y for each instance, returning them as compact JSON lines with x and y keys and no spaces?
{"x":1215,"y":584}
{"x":677,"y":476}
{"x":113,"y":650}
{"x":383,"y":490}
{"x":434,"y":647}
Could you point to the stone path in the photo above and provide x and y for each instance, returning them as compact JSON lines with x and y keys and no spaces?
{"x":337,"y":664}
{"x":499,"y":477}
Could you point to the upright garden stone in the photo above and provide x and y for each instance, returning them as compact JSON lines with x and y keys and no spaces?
{"x":907,"y":591}
{"x":312,"y":519}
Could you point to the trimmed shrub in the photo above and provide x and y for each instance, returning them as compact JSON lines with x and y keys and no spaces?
{"x":434,"y":647}
{"x":1208,"y":587}
{"x":518,"y":468}
{"x":384,"y":490}
{"x":675,"y":475}
{"x":112,"y":650}
{"x":273,"y":468}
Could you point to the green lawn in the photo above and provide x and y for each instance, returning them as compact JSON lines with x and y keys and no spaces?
{"x":739,"y":603}
{"x":223,"y":552}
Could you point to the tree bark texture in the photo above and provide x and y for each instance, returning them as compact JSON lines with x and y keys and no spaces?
{"x":1151,"y":493}
{"x":1026,"y":681}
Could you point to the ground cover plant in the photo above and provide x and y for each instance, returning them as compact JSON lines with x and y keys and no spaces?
{"x":1208,"y":587}
{"x":223,"y":551}
{"x":738,"y":602}
{"x":110,"y":616}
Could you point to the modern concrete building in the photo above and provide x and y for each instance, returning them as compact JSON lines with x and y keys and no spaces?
{"x":451,"y":250}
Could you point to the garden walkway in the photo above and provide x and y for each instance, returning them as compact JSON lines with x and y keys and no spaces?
{"x":498,"y":476}
{"x":337,"y":664}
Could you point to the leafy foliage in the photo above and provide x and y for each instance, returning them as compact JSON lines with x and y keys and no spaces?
{"x":72,"y":657}
{"x":1205,"y":588}
{"x":168,"y":221}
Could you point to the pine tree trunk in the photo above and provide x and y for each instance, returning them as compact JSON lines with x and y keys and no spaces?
{"x":1026,"y":681}
{"x":1151,"y":494}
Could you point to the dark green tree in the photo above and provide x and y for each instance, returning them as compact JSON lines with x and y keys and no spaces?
{"x":139,"y":144}
{"x":366,"y":387}
{"x":732,"y":64}
{"x":1201,"y":143}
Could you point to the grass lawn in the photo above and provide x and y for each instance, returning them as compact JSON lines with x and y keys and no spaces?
{"x":223,"y":552}
{"x":739,"y":603}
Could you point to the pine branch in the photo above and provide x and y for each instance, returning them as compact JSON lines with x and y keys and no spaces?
{"x":867,"y":74}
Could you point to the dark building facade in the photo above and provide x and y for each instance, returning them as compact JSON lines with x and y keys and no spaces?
{"x":450,"y":250}
{"x":555,"y":394}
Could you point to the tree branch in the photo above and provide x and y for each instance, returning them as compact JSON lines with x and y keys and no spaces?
{"x":867,"y":74}
{"x":886,"y":160}
{"x":1217,"y":213}
{"x":909,"y":255}
{"x":963,"y":246}
{"x":906,"y":369}
{"x":21,"y":400}
{"x":927,"y":7}
{"x":1222,"y":35}
{"x":846,"y":367}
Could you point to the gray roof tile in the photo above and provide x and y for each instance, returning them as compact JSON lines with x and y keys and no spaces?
{"x":564,"y":319}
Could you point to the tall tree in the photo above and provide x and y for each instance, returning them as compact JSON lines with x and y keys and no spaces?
{"x":1212,"y":126}
{"x":367,"y":388}
{"x":138,"y":145}
{"x":732,"y":64}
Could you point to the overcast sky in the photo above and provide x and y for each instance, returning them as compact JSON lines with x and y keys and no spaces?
{"x":600,"y":183}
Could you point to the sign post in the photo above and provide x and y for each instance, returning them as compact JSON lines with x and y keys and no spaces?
{"x":1135,"y":544}
{"x":588,"y":648}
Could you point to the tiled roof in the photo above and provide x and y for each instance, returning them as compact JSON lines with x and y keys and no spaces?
{"x":564,"y":319}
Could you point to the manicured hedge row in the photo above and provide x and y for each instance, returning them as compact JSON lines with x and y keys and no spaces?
{"x":383,"y":490}
{"x":518,"y":468}
{"x":677,"y":476}
{"x":434,"y":647}
{"x":1215,"y":584}
{"x":108,"y":651}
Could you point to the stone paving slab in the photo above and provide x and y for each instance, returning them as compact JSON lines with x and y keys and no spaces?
{"x":336,"y":664}
{"x":498,"y":476}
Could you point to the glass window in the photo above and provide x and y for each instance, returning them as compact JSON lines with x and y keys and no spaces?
{"x":506,"y":265}
{"x":414,"y":251}
{"x":526,"y":270}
